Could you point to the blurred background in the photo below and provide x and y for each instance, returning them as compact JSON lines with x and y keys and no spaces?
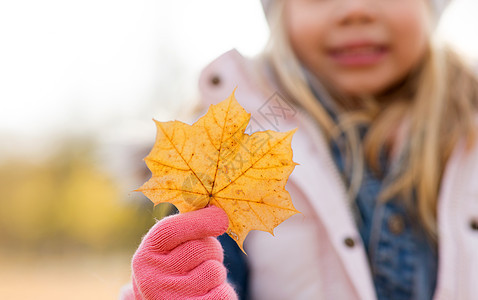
{"x":80,"y":82}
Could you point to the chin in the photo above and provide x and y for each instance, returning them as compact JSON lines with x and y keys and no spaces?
{"x":365,"y":85}
{"x":362,"y":91}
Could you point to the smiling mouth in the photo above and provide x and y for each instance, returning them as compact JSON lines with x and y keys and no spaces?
{"x":358,"y":55}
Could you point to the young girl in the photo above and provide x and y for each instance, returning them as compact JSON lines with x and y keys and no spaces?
{"x":388,"y":176}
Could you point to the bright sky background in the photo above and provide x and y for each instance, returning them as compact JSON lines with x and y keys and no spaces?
{"x":109,"y":66}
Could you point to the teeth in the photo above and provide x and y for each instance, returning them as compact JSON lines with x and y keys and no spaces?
{"x":360,"y":50}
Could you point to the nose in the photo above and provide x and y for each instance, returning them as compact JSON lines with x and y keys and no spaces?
{"x":356,"y":12}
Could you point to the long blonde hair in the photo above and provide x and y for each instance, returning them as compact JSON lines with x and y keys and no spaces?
{"x":437,"y":103}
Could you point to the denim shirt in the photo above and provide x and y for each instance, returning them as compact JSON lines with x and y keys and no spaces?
{"x":236,"y":265}
{"x":402,"y":260}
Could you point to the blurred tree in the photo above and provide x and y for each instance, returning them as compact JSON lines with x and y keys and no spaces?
{"x":66,"y":202}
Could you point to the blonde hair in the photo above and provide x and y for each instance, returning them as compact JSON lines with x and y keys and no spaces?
{"x":435,"y":105}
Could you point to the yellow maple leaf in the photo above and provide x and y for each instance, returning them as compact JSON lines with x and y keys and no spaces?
{"x":214,"y":162}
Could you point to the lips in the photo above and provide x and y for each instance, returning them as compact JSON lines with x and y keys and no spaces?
{"x":358,"y":54}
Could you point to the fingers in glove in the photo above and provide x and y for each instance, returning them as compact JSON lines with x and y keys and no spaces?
{"x":183,"y":258}
{"x":190,"y":255}
{"x":199,"y":281}
{"x":172,"y":231}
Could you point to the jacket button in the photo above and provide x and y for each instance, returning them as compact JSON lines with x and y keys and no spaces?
{"x":349,"y":242}
{"x":396,"y":224}
{"x":474,"y":225}
{"x":215,"y":80}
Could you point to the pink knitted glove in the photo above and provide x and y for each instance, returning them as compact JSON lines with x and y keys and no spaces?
{"x":180,"y":258}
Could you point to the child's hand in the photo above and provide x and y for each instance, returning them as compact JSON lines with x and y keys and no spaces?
{"x":180,"y":258}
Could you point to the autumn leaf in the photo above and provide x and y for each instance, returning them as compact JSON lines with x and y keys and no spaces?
{"x":214,"y":162}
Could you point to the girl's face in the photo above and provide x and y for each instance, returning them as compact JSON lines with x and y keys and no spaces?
{"x":361,"y":47}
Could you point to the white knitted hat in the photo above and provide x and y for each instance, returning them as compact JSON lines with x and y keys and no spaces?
{"x":439,"y":6}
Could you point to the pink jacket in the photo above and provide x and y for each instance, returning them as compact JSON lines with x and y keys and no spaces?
{"x":319,"y":254}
